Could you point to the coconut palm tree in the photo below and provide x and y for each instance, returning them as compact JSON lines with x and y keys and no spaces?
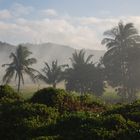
{"x":119,"y":40}
{"x":78,"y":58}
{"x":121,"y":36}
{"x":52,"y":74}
{"x":19,"y":66}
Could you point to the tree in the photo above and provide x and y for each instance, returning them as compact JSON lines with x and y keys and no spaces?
{"x":52,"y":74}
{"x":19,"y":66}
{"x":118,"y":59}
{"x":78,"y":58}
{"x":84,"y":76}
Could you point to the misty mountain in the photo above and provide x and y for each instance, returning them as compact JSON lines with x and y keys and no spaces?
{"x":50,"y":51}
{"x":45,"y":52}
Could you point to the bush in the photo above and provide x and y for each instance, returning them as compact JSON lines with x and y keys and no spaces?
{"x":114,"y":121}
{"x":77,"y":126}
{"x":49,"y":96}
{"x":20,"y":120}
{"x":83,"y":125}
{"x":8,"y":92}
{"x":91,"y":103}
{"x":64,"y":101}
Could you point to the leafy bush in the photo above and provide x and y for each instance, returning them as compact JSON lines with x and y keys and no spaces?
{"x":114,"y":121}
{"x":55,"y":114}
{"x":84,"y":125}
{"x":128,"y":111}
{"x":77,"y":126}
{"x":64,"y":101}
{"x":49,"y":96}
{"x":23,"y":120}
{"x":7,"y":91}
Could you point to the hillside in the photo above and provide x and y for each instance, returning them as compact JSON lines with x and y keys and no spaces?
{"x":45,"y":52}
{"x":49,"y":51}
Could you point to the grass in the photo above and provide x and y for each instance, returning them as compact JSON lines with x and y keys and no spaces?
{"x":109,"y":94}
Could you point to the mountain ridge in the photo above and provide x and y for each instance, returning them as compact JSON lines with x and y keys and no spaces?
{"x":49,"y":51}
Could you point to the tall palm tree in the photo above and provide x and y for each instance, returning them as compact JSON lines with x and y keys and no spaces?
{"x":52,"y":74}
{"x":118,"y":41}
{"x":19,"y":66}
{"x":121,"y":36}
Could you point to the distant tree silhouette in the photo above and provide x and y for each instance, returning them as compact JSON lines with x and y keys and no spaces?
{"x":52,"y":74}
{"x":84,"y":76}
{"x":120,"y":59}
{"x":19,"y":66}
{"x":78,"y":58}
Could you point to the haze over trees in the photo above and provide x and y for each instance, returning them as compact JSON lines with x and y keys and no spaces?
{"x":84,"y":76}
{"x":122,"y":59}
{"x":58,"y":114}
{"x":119,"y":67}
{"x":52,"y":74}
{"x":19,"y":66}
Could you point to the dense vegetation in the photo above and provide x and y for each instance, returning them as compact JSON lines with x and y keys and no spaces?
{"x":77,"y":113}
{"x":119,"y":67}
{"x":54,"y":114}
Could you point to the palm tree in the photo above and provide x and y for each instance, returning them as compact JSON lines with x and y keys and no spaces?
{"x":118,"y":41}
{"x":19,"y":66}
{"x":84,"y":76}
{"x":78,"y":58}
{"x":123,"y":35}
{"x":52,"y":74}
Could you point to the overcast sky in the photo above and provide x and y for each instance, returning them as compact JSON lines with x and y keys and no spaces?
{"x":77,"y":23}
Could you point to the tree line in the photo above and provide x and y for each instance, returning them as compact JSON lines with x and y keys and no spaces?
{"x":119,"y":67}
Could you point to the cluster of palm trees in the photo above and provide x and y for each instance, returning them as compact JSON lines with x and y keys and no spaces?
{"x":120,"y":66}
{"x":80,"y":77}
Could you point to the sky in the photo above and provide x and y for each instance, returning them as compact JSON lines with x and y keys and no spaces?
{"x":77,"y":23}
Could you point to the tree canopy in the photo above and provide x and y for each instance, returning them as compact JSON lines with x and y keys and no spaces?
{"x":122,"y":59}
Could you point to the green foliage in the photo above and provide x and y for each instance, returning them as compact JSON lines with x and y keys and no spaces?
{"x":47,"y":138}
{"x":23,"y":120}
{"x":122,"y":59}
{"x":114,"y":121}
{"x":64,"y":101}
{"x":84,"y":76}
{"x":49,"y":96}
{"x":8,"y":92}
{"x":81,"y":126}
{"x":52,"y":74}
{"x":58,"y":115}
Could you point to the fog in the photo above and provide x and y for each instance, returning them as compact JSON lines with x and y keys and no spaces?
{"x":45,"y":52}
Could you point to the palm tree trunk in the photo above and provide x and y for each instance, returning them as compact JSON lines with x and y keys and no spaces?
{"x":19,"y":79}
{"x":54,"y":85}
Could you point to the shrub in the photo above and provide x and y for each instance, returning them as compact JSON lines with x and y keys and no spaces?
{"x":8,"y":92}
{"x":114,"y":121}
{"x":64,"y":101}
{"x":49,"y":96}
{"x":57,"y":98}
{"x":20,"y":120}
{"x":91,"y":103}
{"x":77,"y":126}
